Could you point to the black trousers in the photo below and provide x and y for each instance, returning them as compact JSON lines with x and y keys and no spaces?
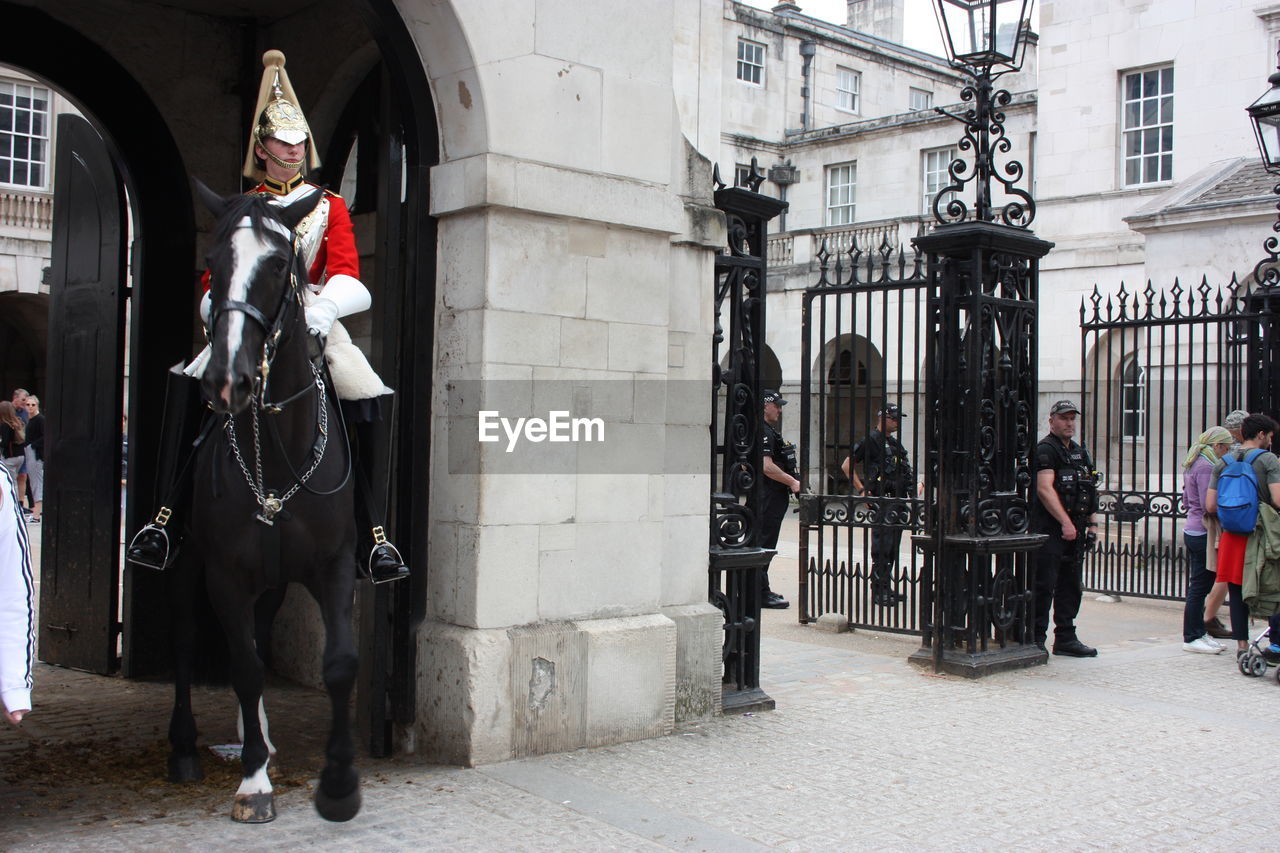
{"x":886,"y":542}
{"x":1199,"y":581}
{"x":1059,"y":585}
{"x":773,"y":509}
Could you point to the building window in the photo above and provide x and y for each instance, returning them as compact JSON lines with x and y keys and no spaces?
{"x":841,"y":193}
{"x":848,"y":85}
{"x":751,"y":62}
{"x":1133,"y":399}
{"x":24,"y":135}
{"x":846,"y":371}
{"x":1148,"y":126}
{"x":919,"y":99}
{"x":933,"y":168}
{"x":742,"y":175}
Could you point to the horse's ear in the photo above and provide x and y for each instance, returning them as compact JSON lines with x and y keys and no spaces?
{"x":216,"y":204}
{"x":293,"y":214}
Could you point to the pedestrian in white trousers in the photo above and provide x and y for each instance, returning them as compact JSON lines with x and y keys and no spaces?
{"x":17,"y":605}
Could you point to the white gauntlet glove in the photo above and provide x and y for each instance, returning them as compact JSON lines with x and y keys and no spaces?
{"x":321,"y":313}
{"x":341,"y":296}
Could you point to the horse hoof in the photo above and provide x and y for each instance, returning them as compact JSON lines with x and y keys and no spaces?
{"x":254,"y":808}
{"x":338,"y":809}
{"x":185,"y":768}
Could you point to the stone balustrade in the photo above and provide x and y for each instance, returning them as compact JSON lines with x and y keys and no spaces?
{"x":26,"y":210}
{"x":792,"y":247}
{"x":781,"y":250}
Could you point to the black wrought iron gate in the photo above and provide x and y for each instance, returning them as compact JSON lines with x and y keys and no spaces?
{"x":1158,"y":368}
{"x":736,"y":559}
{"x":865,"y":330}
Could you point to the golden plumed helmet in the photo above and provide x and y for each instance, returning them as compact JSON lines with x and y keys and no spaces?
{"x":278,"y":114}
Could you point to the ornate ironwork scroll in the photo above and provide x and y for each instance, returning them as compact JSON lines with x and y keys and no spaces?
{"x":736,"y":561}
{"x":985,"y":142}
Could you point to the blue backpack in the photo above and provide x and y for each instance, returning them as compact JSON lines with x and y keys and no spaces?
{"x":1238,"y":494}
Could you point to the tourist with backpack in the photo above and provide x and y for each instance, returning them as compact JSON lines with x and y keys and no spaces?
{"x":1240,"y":482}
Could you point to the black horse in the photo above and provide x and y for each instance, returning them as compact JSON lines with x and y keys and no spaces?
{"x":272,"y":496}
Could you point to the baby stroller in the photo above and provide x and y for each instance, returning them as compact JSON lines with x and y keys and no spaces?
{"x":1255,"y":659}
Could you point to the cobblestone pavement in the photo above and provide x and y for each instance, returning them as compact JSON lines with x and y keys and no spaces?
{"x":1136,"y":749}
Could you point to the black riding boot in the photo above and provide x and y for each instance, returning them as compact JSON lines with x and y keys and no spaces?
{"x":371,"y":444}
{"x":156,"y":544}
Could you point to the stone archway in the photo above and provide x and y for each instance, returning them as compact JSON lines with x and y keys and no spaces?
{"x":187,"y":101}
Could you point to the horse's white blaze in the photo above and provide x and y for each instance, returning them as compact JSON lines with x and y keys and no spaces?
{"x":258,"y":783}
{"x":247,"y":252}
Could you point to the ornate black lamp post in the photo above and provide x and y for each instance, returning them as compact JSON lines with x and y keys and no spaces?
{"x":1262,"y":303}
{"x":984,"y":274}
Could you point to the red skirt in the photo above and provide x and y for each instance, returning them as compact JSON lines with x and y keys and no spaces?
{"x":1231,"y":548}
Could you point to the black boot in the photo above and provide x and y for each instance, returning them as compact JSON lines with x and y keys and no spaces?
{"x":371,"y":446}
{"x":385,"y":563}
{"x":150,"y":547}
{"x":156,"y":545}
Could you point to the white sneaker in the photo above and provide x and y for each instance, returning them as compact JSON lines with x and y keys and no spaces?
{"x":1211,"y":641}
{"x":1199,"y":646}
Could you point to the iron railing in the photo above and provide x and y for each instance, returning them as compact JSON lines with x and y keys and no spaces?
{"x":1158,"y":367}
{"x":863,"y":343}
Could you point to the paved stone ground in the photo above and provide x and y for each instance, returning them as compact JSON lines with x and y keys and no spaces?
{"x":1136,"y":749}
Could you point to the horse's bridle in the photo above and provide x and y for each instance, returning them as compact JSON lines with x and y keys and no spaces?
{"x":270,"y":501}
{"x":273,"y":329}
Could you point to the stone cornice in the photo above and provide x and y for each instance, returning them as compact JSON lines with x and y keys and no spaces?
{"x":1270,"y":15}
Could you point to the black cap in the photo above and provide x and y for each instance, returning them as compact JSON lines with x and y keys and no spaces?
{"x":771,"y":396}
{"x":891,"y":410}
{"x":1064,"y":406}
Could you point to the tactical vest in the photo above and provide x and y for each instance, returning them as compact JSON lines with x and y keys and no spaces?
{"x":784,"y":452}
{"x":892,"y":473}
{"x":1075,"y":479}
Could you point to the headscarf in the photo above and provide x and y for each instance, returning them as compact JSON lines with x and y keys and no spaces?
{"x":1204,"y":446}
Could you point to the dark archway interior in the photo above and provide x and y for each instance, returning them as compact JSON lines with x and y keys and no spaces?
{"x":24,"y":340}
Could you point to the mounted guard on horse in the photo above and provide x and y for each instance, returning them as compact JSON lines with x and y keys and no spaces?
{"x":280,"y":150}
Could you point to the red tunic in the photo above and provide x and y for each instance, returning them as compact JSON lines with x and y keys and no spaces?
{"x":335,"y":252}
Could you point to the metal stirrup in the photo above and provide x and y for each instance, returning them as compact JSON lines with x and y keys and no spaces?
{"x":157,"y":526}
{"x":380,"y":541}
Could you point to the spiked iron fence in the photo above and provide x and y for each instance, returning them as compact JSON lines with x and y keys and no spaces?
{"x":1158,"y":368}
{"x":864,"y":337}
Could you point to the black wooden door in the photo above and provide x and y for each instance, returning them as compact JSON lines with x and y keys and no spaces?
{"x":79,"y":569}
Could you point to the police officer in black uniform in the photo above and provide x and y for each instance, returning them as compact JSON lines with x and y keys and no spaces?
{"x":1065,"y":499}
{"x":889,"y":474}
{"x":779,"y":485}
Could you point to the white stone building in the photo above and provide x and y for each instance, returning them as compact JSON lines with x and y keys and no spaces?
{"x":1128,"y":117}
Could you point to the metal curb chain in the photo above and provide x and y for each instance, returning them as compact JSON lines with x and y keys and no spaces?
{"x":270,"y":503}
